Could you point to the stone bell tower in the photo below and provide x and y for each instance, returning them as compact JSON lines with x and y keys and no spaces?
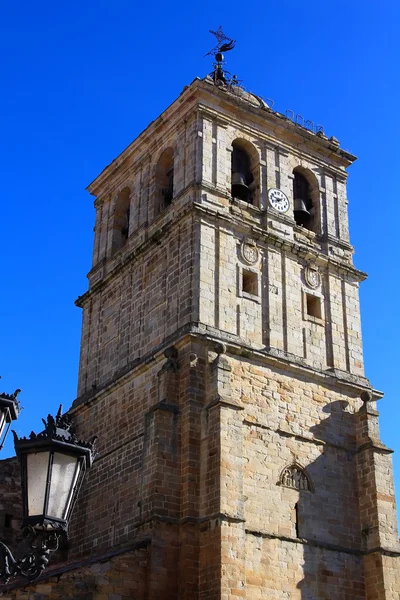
{"x":221,"y":366}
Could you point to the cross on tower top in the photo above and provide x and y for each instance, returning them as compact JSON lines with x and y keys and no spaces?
{"x":217,"y":51}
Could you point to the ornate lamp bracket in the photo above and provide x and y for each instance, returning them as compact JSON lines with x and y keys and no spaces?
{"x":32,"y":564}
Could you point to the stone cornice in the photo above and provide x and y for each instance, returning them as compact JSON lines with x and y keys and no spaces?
{"x":226,"y":402}
{"x":274,"y":140}
{"x":296,"y":364}
{"x":301,"y":438}
{"x":251,"y":225}
{"x":277,"y":359}
{"x":304,"y":542}
{"x":190,"y":97}
{"x":375,"y":446}
{"x":268,"y":236}
{"x":324,"y":545}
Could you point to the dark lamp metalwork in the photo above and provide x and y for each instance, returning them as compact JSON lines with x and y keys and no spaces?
{"x":9,"y":411}
{"x":53,"y":464}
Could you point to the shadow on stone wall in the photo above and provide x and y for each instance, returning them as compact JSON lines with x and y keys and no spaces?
{"x":328,"y":517}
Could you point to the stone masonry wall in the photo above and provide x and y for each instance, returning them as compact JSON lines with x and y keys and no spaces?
{"x":275,"y":313}
{"x":307,"y":542}
{"x":268,"y":420}
{"x":221,"y":369}
{"x":147,"y":301}
{"x":202,"y":145}
{"x":297,"y":542}
{"x":281,"y":417}
{"x":138,"y":176}
{"x":277,"y":154}
{"x":145,"y":482}
{"x":192,"y":448}
{"x":117,"y":493}
{"x":279,"y":569}
{"x":121,"y":577}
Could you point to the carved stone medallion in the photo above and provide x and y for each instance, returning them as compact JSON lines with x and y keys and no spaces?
{"x":312,"y":276}
{"x":249,"y":252}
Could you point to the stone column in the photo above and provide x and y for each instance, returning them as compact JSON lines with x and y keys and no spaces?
{"x":161,"y":482}
{"x":225,"y":502}
{"x":342,"y":209}
{"x":222,"y":166}
{"x":377,"y":504}
{"x":331,"y":224}
{"x":192,"y":394}
{"x":207,"y":162}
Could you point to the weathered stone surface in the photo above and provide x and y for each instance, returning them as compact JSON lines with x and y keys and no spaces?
{"x":119,"y":578}
{"x":221,"y":368}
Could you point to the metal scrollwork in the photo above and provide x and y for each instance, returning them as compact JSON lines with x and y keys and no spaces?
{"x":32,"y":564}
{"x":59,"y":428}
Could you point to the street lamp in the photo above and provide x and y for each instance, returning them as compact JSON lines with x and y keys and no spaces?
{"x":53,"y":464}
{"x":9,"y":411}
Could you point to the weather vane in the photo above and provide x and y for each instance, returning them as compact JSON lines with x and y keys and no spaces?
{"x":218,"y":74}
{"x":219,"y":34}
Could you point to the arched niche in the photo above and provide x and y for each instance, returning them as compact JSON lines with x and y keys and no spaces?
{"x":306,"y":199}
{"x":245,"y":178}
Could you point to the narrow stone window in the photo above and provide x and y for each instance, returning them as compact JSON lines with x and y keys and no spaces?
{"x":168,"y":192}
{"x":125,"y":226}
{"x":121,"y":220}
{"x":313,"y":306}
{"x":249,"y":282}
{"x":297,"y":519}
{"x":164,"y":180}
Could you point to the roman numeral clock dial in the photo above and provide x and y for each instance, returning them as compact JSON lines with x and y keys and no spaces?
{"x":278,"y":200}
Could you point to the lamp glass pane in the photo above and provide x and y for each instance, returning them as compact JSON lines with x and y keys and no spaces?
{"x":37,"y":468}
{"x":81,"y":466}
{"x":63,"y":478}
{"x":2,"y":421}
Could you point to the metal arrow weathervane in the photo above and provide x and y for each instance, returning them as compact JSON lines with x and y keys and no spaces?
{"x":225,"y":44}
{"x":220,"y":47}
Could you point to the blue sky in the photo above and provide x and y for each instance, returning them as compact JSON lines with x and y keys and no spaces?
{"x":80,"y":80}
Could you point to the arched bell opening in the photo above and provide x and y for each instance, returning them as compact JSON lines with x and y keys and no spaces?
{"x":164,"y":179}
{"x":305,"y":199}
{"x":244,"y":171}
{"x":121,"y":220}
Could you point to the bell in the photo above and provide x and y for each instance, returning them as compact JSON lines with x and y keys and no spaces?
{"x":301,"y":214}
{"x":240,"y":189}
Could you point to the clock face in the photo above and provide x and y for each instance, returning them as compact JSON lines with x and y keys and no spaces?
{"x":278,"y":200}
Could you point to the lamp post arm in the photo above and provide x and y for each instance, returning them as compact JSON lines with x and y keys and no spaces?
{"x":32,"y":564}
{"x":9,"y":564}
